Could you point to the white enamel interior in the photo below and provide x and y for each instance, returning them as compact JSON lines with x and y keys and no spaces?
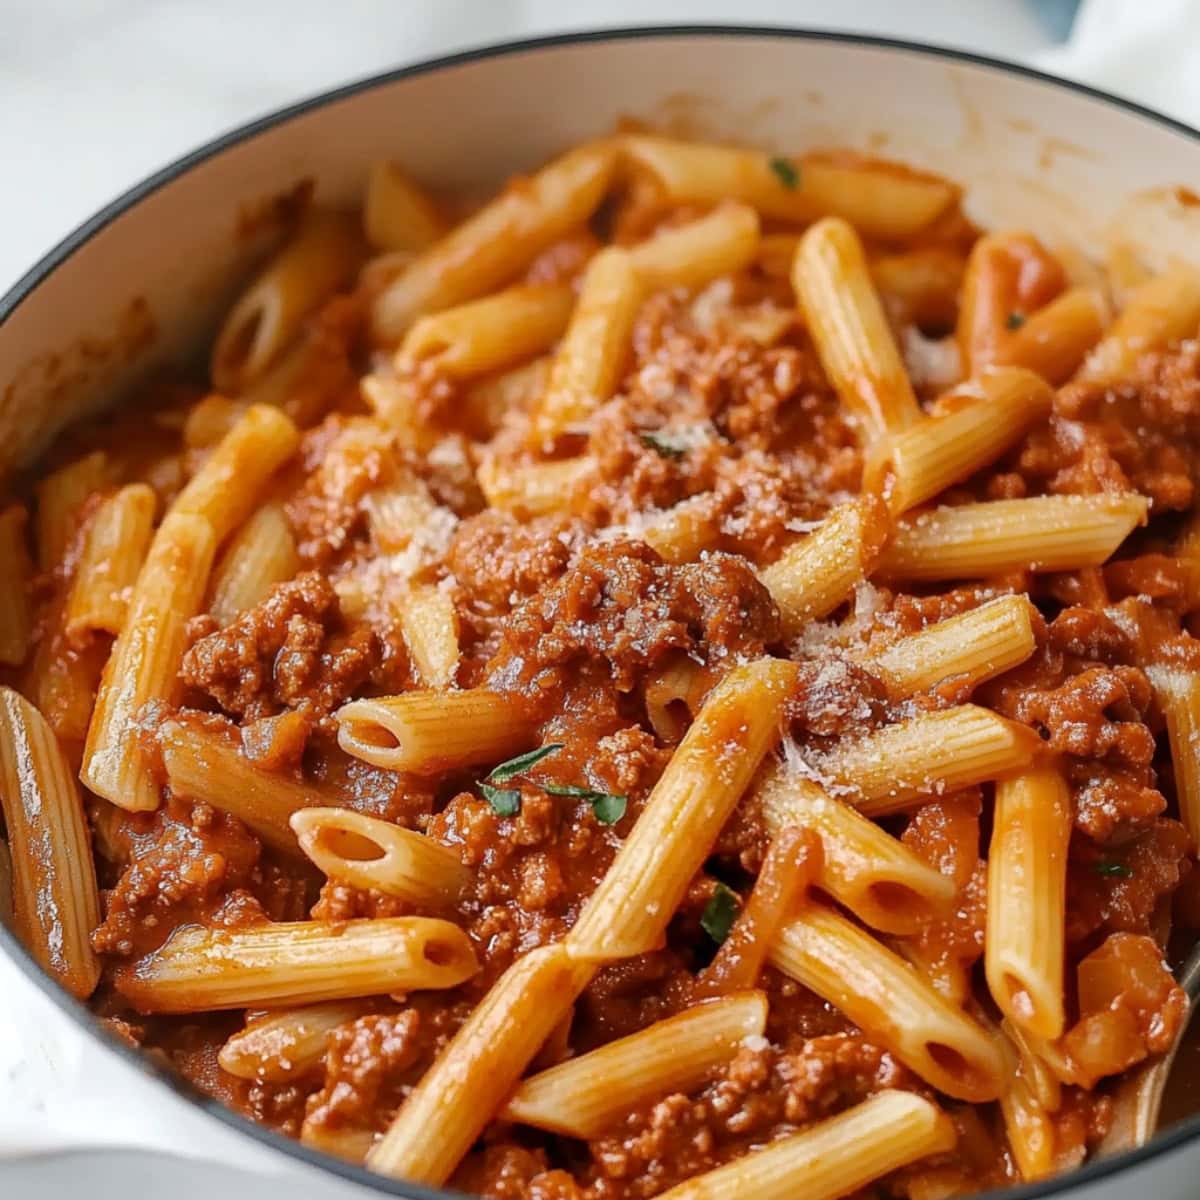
{"x":1031,"y":154}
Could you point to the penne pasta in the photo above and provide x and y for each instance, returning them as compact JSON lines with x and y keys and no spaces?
{"x":201,"y":763}
{"x":118,"y":537}
{"x":934,"y":752}
{"x":491,"y":334}
{"x":968,"y":649}
{"x":893,"y":1004}
{"x":1160,"y":311}
{"x":209,"y":420}
{"x":1029,"y":1128}
{"x":1027,"y":892}
{"x":1043,"y":533}
{"x":834,"y":1157}
{"x":261,"y":554}
{"x":711,"y":768}
{"x":850,"y":331}
{"x":145,"y":659}
{"x":429,"y":731}
{"x":584,"y":1096}
{"x":54,"y":894}
{"x":228,"y":486}
{"x":16,"y":569}
{"x":815,"y":574}
{"x":789,"y":867}
{"x":880,"y":198}
{"x":396,"y":514}
{"x":689,"y":256}
{"x":305,"y":381}
{"x":1008,"y":276}
{"x":1177,"y":691}
{"x":459,"y":1094}
{"x":1033,"y":1055}
{"x":1054,"y":340}
{"x":59,"y":498}
{"x":320,"y":257}
{"x":530,"y":489}
{"x":369,"y":853}
{"x":62,"y":679}
{"x":682,"y":532}
{"x":397,"y":213}
{"x":279,"y":1047}
{"x":429,"y":622}
{"x":299,"y":962}
{"x":673,"y":695}
{"x":940,"y":451}
{"x":588,"y":361}
{"x":863,"y":867}
{"x":498,"y":242}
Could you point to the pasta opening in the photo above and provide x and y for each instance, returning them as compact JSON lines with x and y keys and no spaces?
{"x":671,"y":719}
{"x":897,"y":899}
{"x":441,"y":954}
{"x":353,"y":847}
{"x":248,"y":342}
{"x":956,"y":1065}
{"x":371,"y":733}
{"x":1017,"y":999}
{"x":238,"y":350}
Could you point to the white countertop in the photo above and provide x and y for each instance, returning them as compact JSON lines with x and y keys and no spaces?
{"x":95,"y":94}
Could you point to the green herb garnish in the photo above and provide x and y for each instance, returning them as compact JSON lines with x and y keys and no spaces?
{"x":1014,"y":320}
{"x":719,"y":913}
{"x":505,"y":802}
{"x":788,"y":172}
{"x":663,"y":444}
{"x":608,"y":807}
{"x":1112,"y":870}
{"x":519,"y":765}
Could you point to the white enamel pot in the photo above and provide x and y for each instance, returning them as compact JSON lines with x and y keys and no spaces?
{"x":144,"y":281}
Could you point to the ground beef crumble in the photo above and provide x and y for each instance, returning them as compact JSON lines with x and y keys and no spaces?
{"x":627,"y":608}
{"x":288,"y":652}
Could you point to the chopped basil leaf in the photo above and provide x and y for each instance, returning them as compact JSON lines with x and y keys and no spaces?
{"x":719,"y":913}
{"x":505,"y":802}
{"x":1014,"y":320}
{"x":519,"y":765}
{"x":609,"y":809}
{"x":1113,"y":870}
{"x":788,"y":172}
{"x":663,"y":444}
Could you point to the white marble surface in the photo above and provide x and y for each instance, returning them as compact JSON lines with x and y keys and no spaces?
{"x":94,"y":94}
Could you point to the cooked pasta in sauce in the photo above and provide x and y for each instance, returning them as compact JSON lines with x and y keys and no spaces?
{"x":681,"y":682}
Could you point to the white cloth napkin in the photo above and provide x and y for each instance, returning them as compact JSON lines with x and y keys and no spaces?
{"x":96,"y":93}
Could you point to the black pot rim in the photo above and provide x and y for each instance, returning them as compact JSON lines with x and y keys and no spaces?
{"x":1186,"y":1132}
